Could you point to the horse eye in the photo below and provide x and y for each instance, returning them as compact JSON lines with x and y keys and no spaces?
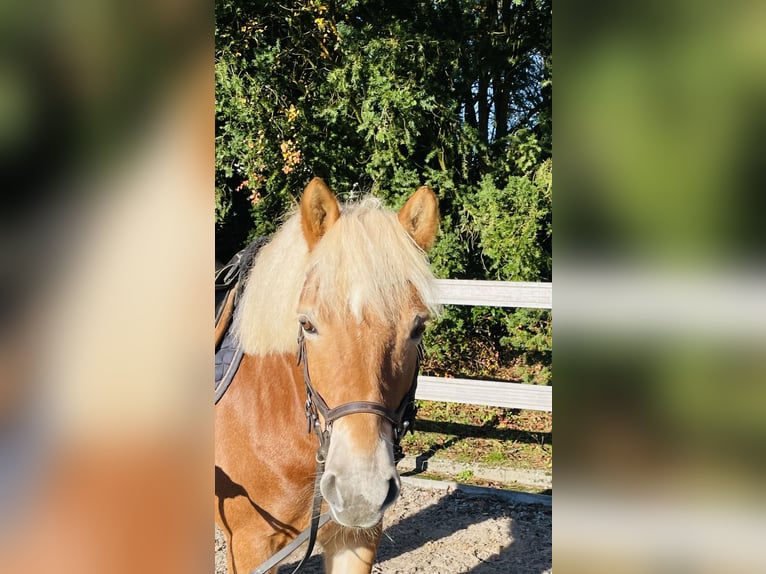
{"x":307,"y":325}
{"x":418,"y":328}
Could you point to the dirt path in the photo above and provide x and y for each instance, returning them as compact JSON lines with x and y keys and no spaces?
{"x":447,"y":531}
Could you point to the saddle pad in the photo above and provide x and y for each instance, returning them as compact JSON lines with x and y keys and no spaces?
{"x":227,"y":360}
{"x":232,"y":276}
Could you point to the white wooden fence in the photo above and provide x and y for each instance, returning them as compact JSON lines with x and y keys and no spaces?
{"x":491,"y":393}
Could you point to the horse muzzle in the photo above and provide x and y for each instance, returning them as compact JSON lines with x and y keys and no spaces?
{"x":359,"y":484}
{"x":358,"y":499}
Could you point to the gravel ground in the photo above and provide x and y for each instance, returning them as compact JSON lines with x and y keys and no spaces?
{"x":447,"y":531}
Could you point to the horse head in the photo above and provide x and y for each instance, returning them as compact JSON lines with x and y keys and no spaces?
{"x":366,"y":296}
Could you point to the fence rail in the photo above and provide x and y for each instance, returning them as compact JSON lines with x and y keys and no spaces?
{"x":495,"y":293}
{"x":490,"y":393}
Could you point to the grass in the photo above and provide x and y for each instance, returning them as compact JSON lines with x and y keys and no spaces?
{"x":479,"y":435}
{"x":492,"y":436}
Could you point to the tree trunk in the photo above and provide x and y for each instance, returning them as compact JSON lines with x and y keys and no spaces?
{"x":482,"y":97}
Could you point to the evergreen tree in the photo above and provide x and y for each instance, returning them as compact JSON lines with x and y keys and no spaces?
{"x":380,"y":97}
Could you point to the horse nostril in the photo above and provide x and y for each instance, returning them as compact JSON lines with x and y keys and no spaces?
{"x":330,"y":491}
{"x":393,"y":493}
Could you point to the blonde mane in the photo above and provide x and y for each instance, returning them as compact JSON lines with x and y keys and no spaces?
{"x":366,"y":262}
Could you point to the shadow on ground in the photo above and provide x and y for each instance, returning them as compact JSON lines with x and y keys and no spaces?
{"x":413,"y":543}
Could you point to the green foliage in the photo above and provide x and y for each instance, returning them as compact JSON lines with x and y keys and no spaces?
{"x":513,"y":226}
{"x":464,"y":475}
{"x":381,"y":98}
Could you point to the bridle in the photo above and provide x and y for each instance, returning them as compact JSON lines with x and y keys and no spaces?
{"x":402,"y":420}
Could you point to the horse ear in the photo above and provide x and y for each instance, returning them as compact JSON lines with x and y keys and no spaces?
{"x":319,"y":210}
{"x":420,"y":217}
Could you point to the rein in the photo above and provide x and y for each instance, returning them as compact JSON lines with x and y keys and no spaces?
{"x":402,"y":420}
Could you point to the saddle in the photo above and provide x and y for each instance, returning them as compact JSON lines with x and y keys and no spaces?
{"x":229,"y":283}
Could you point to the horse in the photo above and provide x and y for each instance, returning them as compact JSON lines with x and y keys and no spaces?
{"x":353,"y":283}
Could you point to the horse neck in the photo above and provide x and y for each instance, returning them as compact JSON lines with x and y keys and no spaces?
{"x":275,"y":390}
